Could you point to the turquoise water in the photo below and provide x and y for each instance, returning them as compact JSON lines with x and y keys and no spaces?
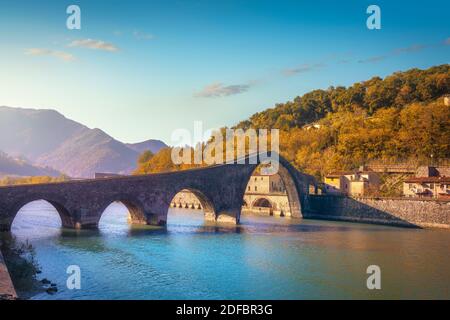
{"x":264,"y":258}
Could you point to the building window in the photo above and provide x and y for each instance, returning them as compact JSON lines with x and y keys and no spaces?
{"x":248,"y":188}
{"x":256,"y":188}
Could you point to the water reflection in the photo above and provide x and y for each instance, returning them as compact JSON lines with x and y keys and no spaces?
{"x":263,"y":258}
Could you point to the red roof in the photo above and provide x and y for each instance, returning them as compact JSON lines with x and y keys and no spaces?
{"x":340,"y":173}
{"x":428,"y":179}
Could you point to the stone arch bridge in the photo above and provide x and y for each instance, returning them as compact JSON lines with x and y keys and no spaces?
{"x":220,"y":190}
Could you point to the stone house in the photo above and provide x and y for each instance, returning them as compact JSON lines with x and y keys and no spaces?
{"x":352,"y":183}
{"x":429,"y":182}
{"x":266,"y":195}
{"x":265,"y":184}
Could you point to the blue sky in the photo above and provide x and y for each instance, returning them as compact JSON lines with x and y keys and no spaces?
{"x":140,"y":69}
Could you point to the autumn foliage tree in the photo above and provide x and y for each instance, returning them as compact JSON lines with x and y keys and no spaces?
{"x":396,"y":119}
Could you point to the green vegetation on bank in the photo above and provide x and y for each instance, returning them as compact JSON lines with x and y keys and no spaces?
{"x":20,"y":259}
{"x":10,"y":181}
{"x":401,"y":118}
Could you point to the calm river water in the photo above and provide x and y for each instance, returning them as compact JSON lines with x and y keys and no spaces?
{"x":264,"y":258}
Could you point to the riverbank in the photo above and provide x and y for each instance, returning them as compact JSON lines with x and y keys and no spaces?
{"x":7,"y":291}
{"x":403,"y":212}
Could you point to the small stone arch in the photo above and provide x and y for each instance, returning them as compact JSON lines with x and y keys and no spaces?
{"x":263,"y":203}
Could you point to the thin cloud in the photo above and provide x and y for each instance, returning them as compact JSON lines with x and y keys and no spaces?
{"x":413,"y":48}
{"x":142,"y":35}
{"x":61,"y":55}
{"x":447,"y":41}
{"x":302,"y":69}
{"x":94,"y":44}
{"x":344,"y":61}
{"x":372,"y":59}
{"x":216,"y":90}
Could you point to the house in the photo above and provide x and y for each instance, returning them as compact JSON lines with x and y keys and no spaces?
{"x":312,"y":126}
{"x":352,"y":183}
{"x":429,"y":182}
{"x":266,"y":195}
{"x":259,"y":183}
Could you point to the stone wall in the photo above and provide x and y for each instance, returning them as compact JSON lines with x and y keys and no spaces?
{"x":7,"y":290}
{"x":390,"y":211}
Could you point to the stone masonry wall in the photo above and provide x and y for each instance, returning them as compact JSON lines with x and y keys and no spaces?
{"x":7,"y":290}
{"x":398,"y":211}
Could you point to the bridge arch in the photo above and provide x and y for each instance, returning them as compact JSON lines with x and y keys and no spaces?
{"x":206,"y":204}
{"x":292,"y":183}
{"x":63,"y":213}
{"x":136,"y":210}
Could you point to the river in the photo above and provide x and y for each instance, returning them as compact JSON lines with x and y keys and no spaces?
{"x":263,"y":258}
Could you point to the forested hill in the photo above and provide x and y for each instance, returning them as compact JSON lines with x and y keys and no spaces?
{"x":396,"y":90}
{"x":402,"y":118}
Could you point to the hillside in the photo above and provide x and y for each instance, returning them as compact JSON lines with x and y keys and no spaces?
{"x":396,"y":90}
{"x":91,"y":151}
{"x":18,"y":167}
{"x":400,"y":118}
{"x":33,"y":132}
{"x":153,"y":145}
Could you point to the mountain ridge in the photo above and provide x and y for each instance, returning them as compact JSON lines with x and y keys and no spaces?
{"x":10,"y":166}
{"x":46,"y":138}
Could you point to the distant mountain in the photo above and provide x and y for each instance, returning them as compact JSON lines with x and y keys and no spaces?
{"x":32,"y":133}
{"x":18,"y":167}
{"x":47,"y":139}
{"x":152,"y":145}
{"x":91,"y":151}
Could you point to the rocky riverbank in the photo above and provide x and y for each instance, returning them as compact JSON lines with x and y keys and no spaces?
{"x":7,"y":291}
